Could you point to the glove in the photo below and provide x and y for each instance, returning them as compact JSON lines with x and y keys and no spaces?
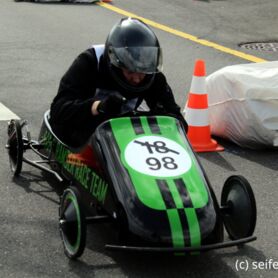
{"x":111,"y":105}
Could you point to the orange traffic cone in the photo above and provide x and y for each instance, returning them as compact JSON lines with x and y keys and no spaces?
{"x":196,"y":113}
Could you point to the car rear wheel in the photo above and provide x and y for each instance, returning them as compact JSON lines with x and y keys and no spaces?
{"x":72,"y":223}
{"x":15,"y":146}
{"x":239,"y":207}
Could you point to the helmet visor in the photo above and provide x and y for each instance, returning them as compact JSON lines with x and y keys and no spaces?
{"x":137,"y":59}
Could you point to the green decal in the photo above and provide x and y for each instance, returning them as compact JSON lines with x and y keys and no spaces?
{"x":196,"y":188}
{"x":176,"y":228}
{"x":145,"y":125}
{"x":98,"y":188}
{"x":175,"y":194}
{"x":82,"y":174}
{"x":69,"y":167}
{"x":194,"y":229}
{"x":61,"y":153}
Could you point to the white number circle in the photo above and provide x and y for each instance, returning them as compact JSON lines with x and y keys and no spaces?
{"x":157,"y":156}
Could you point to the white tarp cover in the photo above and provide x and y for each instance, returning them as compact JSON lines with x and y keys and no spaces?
{"x":243,"y":104}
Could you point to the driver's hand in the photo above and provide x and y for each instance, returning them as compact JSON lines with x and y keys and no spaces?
{"x":111,"y":105}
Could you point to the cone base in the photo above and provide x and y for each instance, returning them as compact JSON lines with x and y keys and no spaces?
{"x":211,"y":146}
{"x":201,"y":141}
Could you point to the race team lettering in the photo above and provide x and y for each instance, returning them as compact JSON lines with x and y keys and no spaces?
{"x":61,"y":153}
{"x":98,"y":187}
{"x":93,"y":183}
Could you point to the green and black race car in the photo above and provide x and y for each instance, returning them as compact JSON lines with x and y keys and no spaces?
{"x":140,"y":172}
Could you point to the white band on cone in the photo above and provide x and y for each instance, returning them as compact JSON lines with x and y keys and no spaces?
{"x":198,"y":85}
{"x":196,"y":117}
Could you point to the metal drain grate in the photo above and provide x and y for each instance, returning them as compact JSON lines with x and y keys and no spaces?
{"x":261,"y":46}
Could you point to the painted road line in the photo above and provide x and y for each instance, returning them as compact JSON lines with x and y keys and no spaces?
{"x":184,"y":35}
{"x":6,"y":114}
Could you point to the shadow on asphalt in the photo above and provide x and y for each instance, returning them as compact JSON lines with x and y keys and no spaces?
{"x":41,"y":184}
{"x":265,"y":157}
{"x":210,"y":264}
{"x":132,"y":264}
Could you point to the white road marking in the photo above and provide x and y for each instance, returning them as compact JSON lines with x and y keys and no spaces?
{"x":6,"y":114}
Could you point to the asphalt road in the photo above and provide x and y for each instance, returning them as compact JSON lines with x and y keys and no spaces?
{"x":37,"y":44}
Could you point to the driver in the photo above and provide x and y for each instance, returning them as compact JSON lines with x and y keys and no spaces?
{"x":111,"y":79}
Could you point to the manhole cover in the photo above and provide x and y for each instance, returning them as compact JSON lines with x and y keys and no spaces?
{"x":261,"y":46}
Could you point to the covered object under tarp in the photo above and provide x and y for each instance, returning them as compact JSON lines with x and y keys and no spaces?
{"x":243,"y":104}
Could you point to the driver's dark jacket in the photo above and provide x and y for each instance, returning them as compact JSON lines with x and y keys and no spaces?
{"x":70,"y":113}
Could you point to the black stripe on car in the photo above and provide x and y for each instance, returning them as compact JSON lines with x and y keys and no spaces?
{"x":166,"y":194}
{"x":137,"y":126}
{"x":153,"y":124}
{"x":185,"y":227}
{"x":181,"y":187}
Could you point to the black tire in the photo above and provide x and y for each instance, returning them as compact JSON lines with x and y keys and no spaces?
{"x":15,"y":146}
{"x":240,"y":207}
{"x":72,"y":223}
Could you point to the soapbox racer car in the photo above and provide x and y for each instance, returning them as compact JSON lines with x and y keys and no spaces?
{"x":140,"y":172}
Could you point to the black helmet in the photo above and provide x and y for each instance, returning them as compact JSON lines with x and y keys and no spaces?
{"x":132,"y":45}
